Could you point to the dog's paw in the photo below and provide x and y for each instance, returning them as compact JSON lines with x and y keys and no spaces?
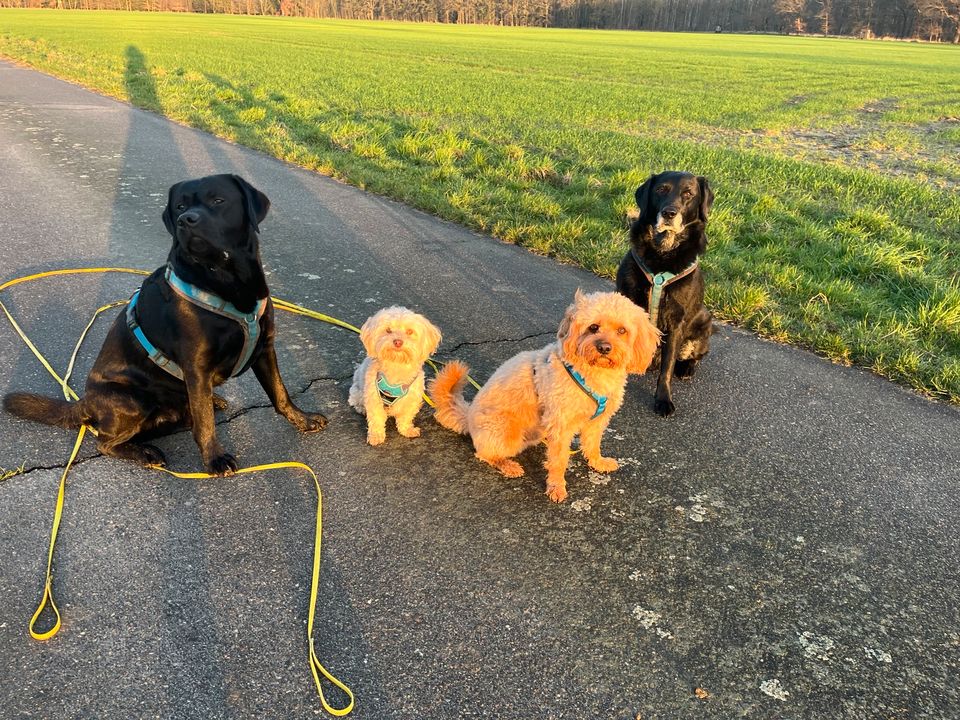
{"x":312,"y":422}
{"x":509,"y":468}
{"x":411,"y":432}
{"x":603,"y":464}
{"x":557,"y":493}
{"x":225,"y":464}
{"x":664,"y":408}
{"x":152,"y":455}
{"x":219,"y":403}
{"x":685,"y":369}
{"x":376,"y":437}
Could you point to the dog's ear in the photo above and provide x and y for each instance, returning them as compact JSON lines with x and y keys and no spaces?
{"x":255,"y":203}
{"x":643,"y":199}
{"x":569,"y":331}
{"x":368,"y":334}
{"x":168,"y":219}
{"x":644,"y":344}
{"x":431,"y":337}
{"x":706,"y":197}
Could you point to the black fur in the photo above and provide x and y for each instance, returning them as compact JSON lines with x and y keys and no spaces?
{"x":684,"y":321}
{"x":214,"y":223}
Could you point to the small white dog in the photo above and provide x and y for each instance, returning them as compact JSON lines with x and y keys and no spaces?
{"x":389,"y":382}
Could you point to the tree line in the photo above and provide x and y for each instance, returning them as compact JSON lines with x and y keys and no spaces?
{"x":934,"y":20}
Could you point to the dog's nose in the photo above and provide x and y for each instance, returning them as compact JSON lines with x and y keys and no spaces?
{"x":190,"y":218}
{"x":397,"y":342}
{"x":669,"y":213}
{"x":603,"y":347}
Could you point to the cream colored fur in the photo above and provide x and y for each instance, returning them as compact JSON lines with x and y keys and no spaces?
{"x":531,"y":398}
{"x":398,"y":341}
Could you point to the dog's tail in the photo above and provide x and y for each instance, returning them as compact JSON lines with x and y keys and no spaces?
{"x":446,"y":390}
{"x":46,"y":410}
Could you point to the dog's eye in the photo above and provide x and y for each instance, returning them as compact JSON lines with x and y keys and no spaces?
{"x":594,"y":328}
{"x":389,"y":331}
{"x":662,"y":190}
{"x":687,"y":193}
{"x":217,"y":201}
{"x":181,"y":206}
{"x":410,"y":331}
{"x":621,"y":331}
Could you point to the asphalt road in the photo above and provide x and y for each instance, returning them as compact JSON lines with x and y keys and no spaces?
{"x":784,"y":547}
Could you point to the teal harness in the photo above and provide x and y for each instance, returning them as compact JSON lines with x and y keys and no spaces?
{"x":249,"y":322}
{"x":658,"y":283}
{"x":389,"y":394}
{"x":600,"y":400}
{"x":152,"y":351}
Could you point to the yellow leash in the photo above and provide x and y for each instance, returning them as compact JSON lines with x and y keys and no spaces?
{"x":67,"y":391}
{"x":300,"y":310}
{"x":76,"y":350}
{"x":48,"y":584}
{"x":316,"y":667}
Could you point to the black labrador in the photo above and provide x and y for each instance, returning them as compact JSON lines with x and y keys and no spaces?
{"x":662,"y":275}
{"x":215,"y":260}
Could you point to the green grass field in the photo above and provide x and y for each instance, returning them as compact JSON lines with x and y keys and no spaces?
{"x":835,"y":162}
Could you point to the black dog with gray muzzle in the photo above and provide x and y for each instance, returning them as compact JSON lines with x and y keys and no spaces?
{"x":662,"y":274}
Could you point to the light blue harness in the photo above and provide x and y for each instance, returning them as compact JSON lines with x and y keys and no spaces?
{"x":658,"y":283}
{"x":249,"y":322}
{"x":389,"y":394}
{"x":600,"y":400}
{"x":152,"y":351}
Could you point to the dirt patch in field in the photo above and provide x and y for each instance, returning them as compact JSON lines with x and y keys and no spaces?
{"x":926,"y":152}
{"x":931,"y":159}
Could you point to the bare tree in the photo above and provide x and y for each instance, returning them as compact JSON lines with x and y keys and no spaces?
{"x":824,"y":14}
{"x":943,"y":10}
{"x":793,"y":12}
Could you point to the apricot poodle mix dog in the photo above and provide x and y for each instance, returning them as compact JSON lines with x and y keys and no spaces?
{"x":572,"y":386}
{"x":389,"y":382}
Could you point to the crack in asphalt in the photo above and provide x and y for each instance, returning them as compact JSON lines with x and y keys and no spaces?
{"x":332,"y":378}
{"x":499,"y":340}
{"x":310,"y":383}
{"x":80,"y":460}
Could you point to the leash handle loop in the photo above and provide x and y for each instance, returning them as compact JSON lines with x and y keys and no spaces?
{"x":48,"y":582}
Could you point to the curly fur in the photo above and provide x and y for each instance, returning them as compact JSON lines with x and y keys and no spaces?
{"x":398,"y":341}
{"x":531,"y":398}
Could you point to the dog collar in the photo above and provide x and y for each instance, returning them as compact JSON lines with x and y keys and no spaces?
{"x":600,"y":400}
{"x":152,"y":351}
{"x":389,"y":394}
{"x":249,"y":322}
{"x":658,"y":282}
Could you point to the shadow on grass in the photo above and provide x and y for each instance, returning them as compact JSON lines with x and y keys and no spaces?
{"x":523,"y":195}
{"x":137,"y":81}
